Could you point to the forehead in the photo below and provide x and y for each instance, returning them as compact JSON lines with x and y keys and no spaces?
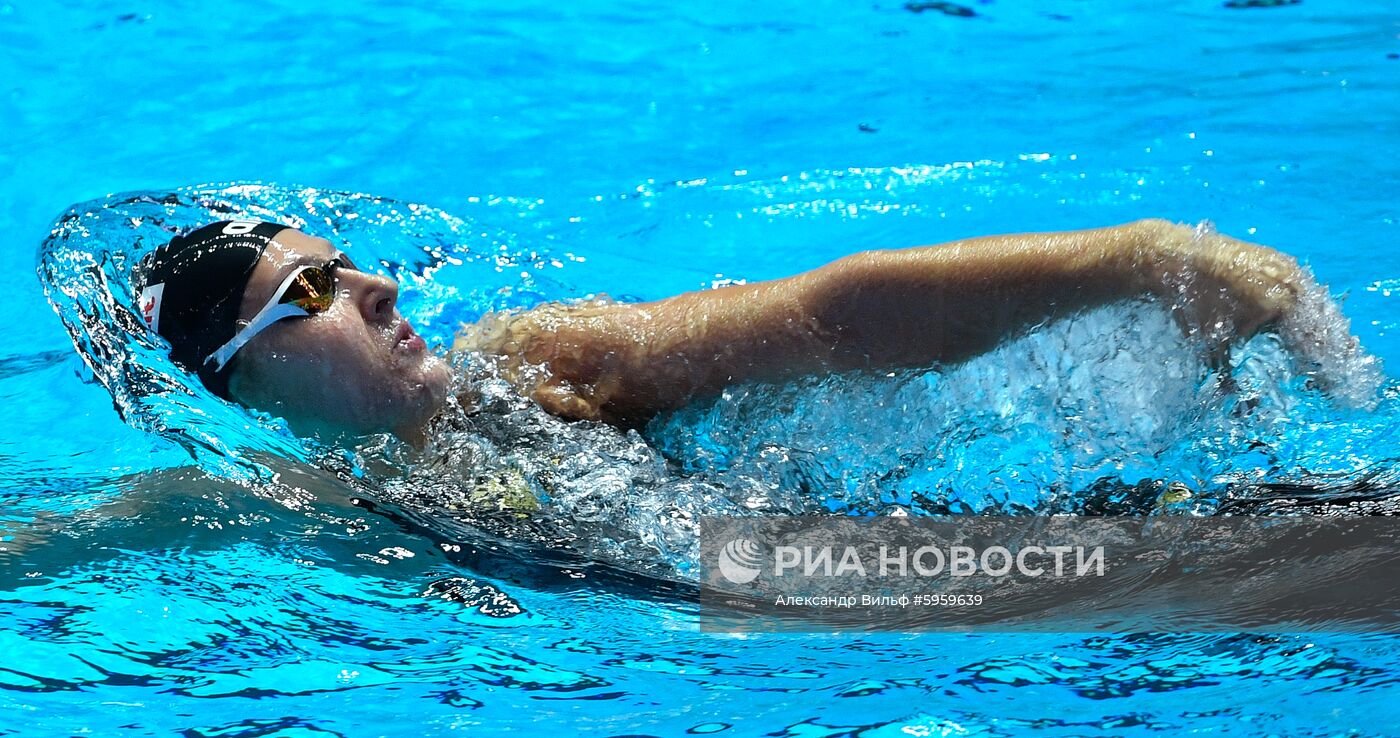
{"x":292,"y":247}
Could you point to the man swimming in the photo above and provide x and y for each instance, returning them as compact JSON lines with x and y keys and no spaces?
{"x":280,"y":321}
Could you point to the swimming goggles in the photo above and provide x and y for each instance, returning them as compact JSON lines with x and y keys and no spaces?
{"x":310,"y":290}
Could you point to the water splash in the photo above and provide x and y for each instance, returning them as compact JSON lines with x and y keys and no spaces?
{"x":1109,"y":411}
{"x":86,"y":262}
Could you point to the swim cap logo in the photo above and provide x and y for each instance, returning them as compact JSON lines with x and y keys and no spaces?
{"x":740,"y":560}
{"x":240,"y":227}
{"x":149,"y":303}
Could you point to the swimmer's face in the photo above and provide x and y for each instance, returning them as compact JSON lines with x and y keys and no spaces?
{"x":356,"y":368}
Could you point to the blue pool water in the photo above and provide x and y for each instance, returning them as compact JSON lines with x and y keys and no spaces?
{"x":150,"y":586}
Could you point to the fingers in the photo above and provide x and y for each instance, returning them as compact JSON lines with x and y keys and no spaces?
{"x":565,"y":403}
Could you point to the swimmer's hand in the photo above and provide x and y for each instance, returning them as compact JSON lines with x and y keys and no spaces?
{"x":564,"y":357}
{"x":1223,"y":290}
{"x":1219,"y":289}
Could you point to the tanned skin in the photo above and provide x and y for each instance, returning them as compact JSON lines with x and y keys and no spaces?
{"x":885,"y":309}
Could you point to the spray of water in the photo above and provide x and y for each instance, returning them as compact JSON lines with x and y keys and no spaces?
{"x":1110,"y":411}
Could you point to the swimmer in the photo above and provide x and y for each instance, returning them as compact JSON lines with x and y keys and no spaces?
{"x":281,"y":321}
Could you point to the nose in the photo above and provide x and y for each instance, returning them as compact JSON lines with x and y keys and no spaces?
{"x":375,"y":296}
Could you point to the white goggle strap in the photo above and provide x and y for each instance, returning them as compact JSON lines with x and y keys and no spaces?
{"x":272,"y":312}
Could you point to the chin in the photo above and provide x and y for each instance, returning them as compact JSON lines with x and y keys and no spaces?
{"x":437,"y":373}
{"x":433,"y":380}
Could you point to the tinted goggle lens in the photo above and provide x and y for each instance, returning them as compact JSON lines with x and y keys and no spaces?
{"x":313,"y":290}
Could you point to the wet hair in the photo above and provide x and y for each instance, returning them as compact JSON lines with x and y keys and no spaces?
{"x":190,"y":291}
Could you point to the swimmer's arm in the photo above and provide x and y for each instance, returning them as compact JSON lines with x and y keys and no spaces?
{"x":888,"y":309}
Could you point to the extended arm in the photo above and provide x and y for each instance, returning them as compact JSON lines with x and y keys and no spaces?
{"x":623,"y":363}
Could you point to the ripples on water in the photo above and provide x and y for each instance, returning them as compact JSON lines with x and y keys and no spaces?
{"x":1092,"y":415}
{"x":1090,"y":406}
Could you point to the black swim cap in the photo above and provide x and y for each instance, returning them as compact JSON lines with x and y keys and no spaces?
{"x":189,"y":291}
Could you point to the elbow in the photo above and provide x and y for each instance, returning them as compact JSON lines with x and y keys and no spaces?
{"x":847,"y":306}
{"x":849,"y":272}
{"x":830,"y":293}
{"x":1151,"y":230}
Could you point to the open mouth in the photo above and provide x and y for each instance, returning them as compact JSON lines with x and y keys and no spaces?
{"x":406,"y":340}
